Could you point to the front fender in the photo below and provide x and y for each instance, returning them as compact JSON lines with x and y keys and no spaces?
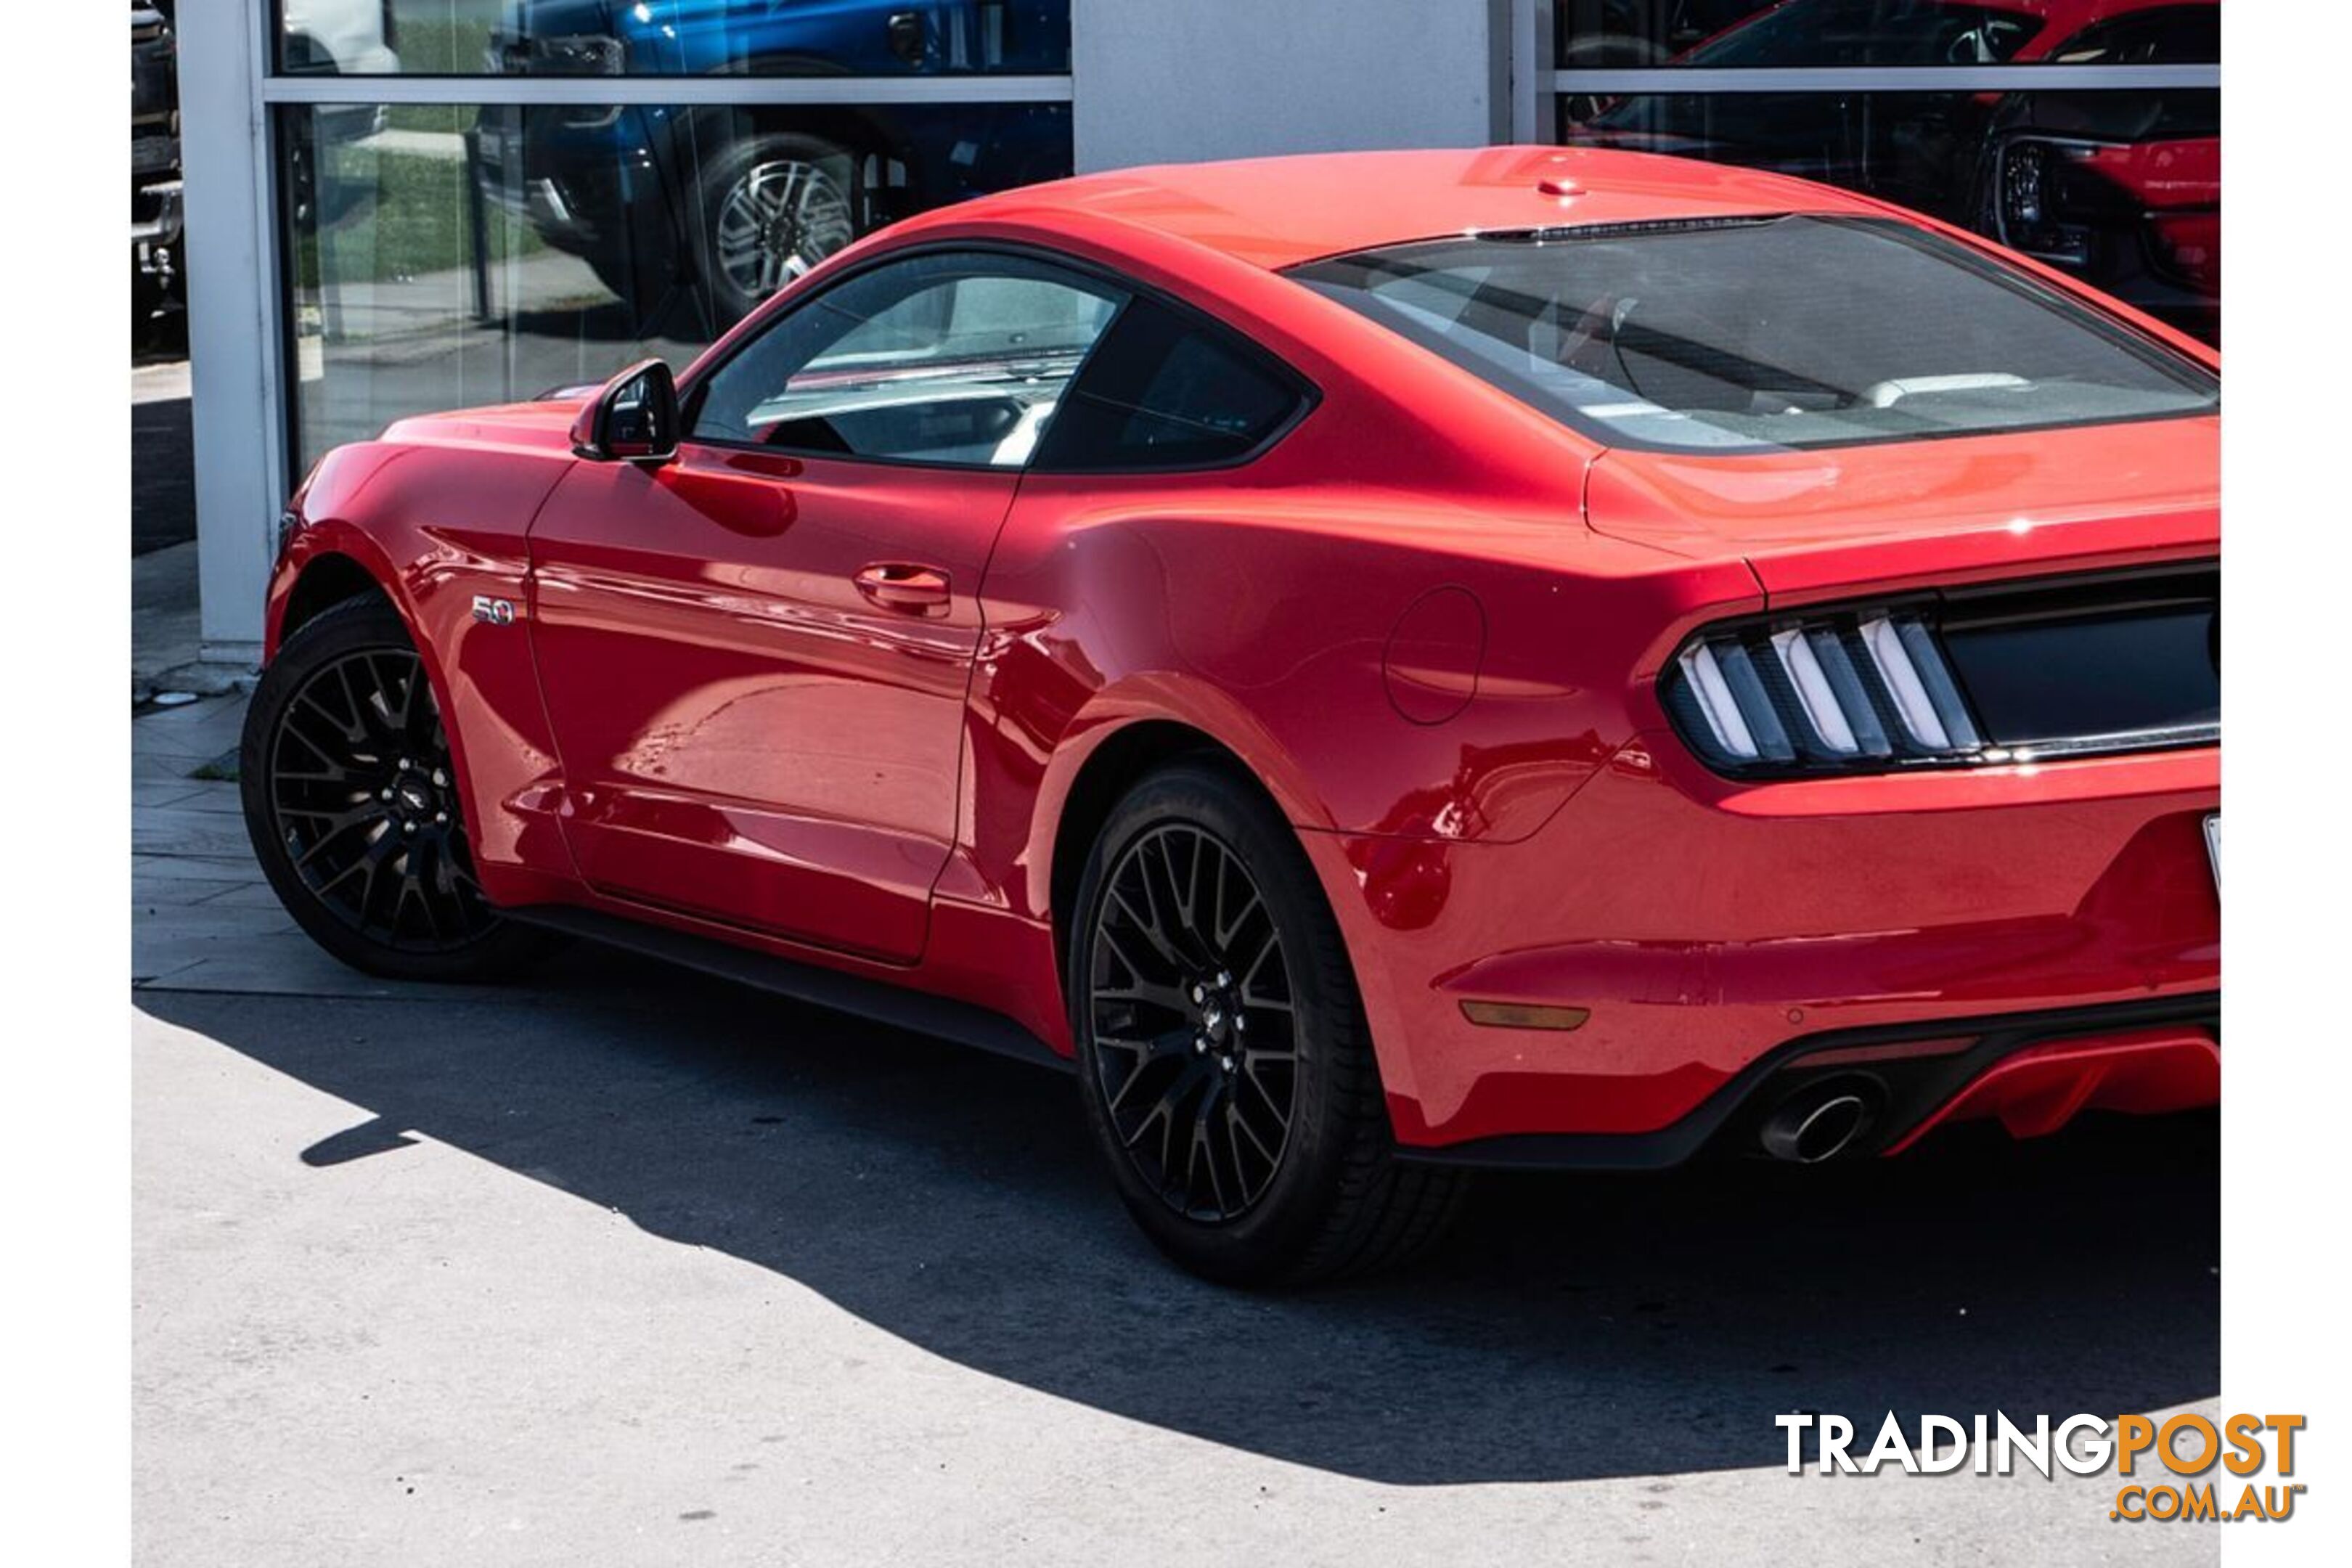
{"x":435,"y":527}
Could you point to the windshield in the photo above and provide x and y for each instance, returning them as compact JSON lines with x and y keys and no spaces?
{"x":1741,"y":333}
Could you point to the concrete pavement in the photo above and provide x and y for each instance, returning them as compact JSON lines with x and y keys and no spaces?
{"x":623,"y":1265}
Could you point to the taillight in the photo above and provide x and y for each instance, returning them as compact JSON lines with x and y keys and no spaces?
{"x":1997,"y":672}
{"x":1857,"y":688}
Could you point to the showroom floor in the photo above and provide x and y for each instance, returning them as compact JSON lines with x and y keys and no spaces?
{"x":620,"y":1265}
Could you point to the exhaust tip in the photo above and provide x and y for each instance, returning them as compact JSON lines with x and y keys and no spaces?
{"x":1812,"y":1128}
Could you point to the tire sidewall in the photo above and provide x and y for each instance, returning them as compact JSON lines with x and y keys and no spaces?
{"x":1277,"y":1227}
{"x":730,"y":304}
{"x":355,"y":626}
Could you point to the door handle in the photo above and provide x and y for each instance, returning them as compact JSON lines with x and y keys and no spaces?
{"x":905,"y":587}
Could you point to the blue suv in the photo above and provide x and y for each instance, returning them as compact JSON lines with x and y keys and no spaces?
{"x":692,"y":215}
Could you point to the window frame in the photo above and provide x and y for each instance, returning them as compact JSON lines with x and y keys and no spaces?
{"x":1308,"y":395}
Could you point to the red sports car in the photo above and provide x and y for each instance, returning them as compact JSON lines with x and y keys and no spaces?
{"x":1388,"y":663}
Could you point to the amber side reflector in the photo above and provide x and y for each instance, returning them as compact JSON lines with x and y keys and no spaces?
{"x":1521,"y":1016}
{"x":1898,"y":1051}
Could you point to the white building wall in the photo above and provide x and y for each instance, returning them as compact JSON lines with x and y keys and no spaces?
{"x":1177,"y":81}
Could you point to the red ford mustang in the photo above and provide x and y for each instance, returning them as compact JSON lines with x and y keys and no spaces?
{"x":1390,"y":663}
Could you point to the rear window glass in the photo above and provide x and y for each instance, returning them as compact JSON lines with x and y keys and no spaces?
{"x":1791,"y":331}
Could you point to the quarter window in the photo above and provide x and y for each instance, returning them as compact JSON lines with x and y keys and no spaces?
{"x":1169,"y":391}
{"x":951,"y":358}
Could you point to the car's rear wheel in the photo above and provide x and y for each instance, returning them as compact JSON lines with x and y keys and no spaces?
{"x":352,"y":806}
{"x":1224,"y":1061}
{"x":770,"y":211}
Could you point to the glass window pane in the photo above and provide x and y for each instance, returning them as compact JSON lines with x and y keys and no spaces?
{"x":1730,"y":34}
{"x":1166,"y":391}
{"x":1724,"y":333}
{"x":674,"y":37}
{"x":440,"y":256}
{"x":2122,"y":189}
{"x":938,"y":359}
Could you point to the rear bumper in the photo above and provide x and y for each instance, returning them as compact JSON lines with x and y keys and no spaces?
{"x":1712,"y":932}
{"x":2033,"y":1072}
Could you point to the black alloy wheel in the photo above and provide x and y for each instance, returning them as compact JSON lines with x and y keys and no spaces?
{"x":360,"y":786}
{"x":1224,"y":1062}
{"x":1194,"y":1031}
{"x":351,"y":803}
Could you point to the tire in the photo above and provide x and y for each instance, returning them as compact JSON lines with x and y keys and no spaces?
{"x":767,"y":211}
{"x":1288,"y":1173}
{"x":353,"y":811}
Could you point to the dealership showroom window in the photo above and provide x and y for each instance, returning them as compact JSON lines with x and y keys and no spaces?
{"x":430,"y":203}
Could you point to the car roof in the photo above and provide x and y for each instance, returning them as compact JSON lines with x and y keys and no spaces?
{"x":1277,"y":212}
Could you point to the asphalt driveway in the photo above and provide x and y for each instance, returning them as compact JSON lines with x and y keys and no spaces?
{"x":621,"y":1265}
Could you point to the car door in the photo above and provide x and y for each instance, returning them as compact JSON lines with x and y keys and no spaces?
{"x":755,"y":656}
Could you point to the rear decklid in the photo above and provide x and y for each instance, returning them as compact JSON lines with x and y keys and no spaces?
{"x":1956,"y":508}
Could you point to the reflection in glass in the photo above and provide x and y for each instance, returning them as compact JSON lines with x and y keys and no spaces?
{"x":1730,"y":34}
{"x":1620,"y":34}
{"x":936,"y":359}
{"x":444,"y":254}
{"x":316,"y":36}
{"x":675,"y":37}
{"x":2121,"y":188}
{"x":1723,"y":333}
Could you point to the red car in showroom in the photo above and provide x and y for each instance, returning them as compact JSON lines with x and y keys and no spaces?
{"x":1388,"y":663}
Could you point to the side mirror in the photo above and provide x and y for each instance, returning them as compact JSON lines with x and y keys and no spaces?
{"x":633,"y":419}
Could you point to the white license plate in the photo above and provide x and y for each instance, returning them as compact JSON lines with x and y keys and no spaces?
{"x":2213,"y":846}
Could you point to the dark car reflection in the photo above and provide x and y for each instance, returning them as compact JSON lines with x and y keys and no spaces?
{"x":155,"y":224}
{"x":693,"y":216}
{"x":2121,"y":187}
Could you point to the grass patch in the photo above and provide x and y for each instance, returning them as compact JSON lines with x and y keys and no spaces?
{"x":404,"y":214}
{"x":444,"y":45}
